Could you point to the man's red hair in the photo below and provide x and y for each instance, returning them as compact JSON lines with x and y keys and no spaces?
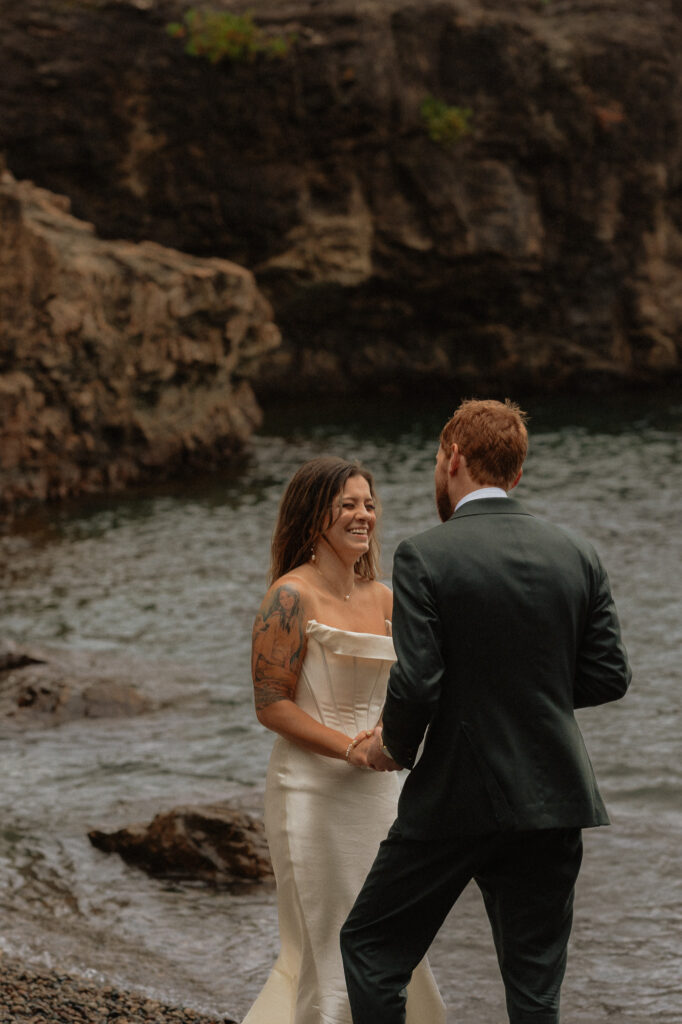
{"x":492,"y":437}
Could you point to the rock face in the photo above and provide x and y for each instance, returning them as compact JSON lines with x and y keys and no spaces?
{"x":213,"y":843}
{"x":544,"y":248}
{"x":119,"y":362}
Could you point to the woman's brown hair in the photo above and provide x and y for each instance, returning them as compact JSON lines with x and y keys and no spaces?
{"x":306,"y":511}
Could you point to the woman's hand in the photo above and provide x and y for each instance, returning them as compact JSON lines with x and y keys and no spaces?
{"x":359,"y":748}
{"x":367,"y":751}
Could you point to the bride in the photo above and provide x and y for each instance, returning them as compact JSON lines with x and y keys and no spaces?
{"x":322,"y":652}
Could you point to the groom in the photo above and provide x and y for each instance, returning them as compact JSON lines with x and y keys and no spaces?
{"x":503,"y":624}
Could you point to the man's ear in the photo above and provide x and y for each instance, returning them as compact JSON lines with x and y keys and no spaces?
{"x":520,"y":474}
{"x":455,"y":457}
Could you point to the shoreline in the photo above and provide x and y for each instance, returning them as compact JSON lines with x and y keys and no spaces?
{"x":40,"y":995}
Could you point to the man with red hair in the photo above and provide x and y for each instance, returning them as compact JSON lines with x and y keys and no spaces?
{"x":503,"y":624}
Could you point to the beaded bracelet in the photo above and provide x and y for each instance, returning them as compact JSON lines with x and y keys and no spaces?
{"x":350,"y":747}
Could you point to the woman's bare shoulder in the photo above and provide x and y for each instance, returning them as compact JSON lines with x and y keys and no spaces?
{"x":292,"y":584}
{"x":296,"y":580}
{"x":382,"y":594}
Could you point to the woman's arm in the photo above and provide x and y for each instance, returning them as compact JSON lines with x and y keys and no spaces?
{"x":278,"y":650}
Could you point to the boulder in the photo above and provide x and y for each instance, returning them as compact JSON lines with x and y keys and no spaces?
{"x":120,"y":362}
{"x":541,"y":248}
{"x":216,"y":843}
{"x":43,"y":687}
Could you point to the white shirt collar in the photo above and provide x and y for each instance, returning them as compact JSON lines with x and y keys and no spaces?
{"x":482,"y":492}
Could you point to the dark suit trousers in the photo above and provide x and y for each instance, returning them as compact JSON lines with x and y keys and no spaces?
{"x":527,"y":880}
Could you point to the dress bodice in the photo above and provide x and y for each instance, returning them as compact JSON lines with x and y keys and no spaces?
{"x":343,"y":677}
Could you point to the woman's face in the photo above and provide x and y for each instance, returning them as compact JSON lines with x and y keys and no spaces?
{"x":354,"y":519}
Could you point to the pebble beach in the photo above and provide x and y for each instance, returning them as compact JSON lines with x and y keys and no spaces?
{"x":30,"y":995}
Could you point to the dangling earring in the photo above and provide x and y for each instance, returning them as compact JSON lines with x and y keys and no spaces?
{"x":312,"y":555}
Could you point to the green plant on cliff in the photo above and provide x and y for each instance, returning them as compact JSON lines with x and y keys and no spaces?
{"x":218,"y":35}
{"x":445,"y":125}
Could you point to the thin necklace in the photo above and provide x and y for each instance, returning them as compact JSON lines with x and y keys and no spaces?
{"x":347,"y":596}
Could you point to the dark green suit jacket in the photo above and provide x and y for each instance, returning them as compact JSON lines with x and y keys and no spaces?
{"x":503,"y":624}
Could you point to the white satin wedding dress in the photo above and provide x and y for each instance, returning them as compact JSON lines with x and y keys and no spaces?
{"x":324,"y":821}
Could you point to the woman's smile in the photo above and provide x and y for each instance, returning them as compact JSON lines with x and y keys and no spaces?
{"x":355,"y":511}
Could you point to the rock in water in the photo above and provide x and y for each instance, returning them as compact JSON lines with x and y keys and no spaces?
{"x":46,"y":687}
{"x":213,"y":843}
{"x":119,"y":362}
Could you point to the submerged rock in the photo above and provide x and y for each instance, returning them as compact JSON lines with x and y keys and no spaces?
{"x":46,"y":687}
{"x":119,"y":362}
{"x":215,"y":843}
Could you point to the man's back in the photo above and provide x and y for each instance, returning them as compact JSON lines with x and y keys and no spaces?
{"x":504,"y":623}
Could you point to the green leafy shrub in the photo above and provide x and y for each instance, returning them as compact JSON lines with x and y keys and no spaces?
{"x":445,"y":125}
{"x":217,"y":34}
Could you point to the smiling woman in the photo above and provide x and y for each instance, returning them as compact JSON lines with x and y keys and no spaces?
{"x":322,"y":652}
{"x":324,"y":556}
{"x":311,"y":503}
{"x":348,"y":536}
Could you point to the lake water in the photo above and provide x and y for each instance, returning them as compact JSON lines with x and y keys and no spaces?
{"x":175,"y":577}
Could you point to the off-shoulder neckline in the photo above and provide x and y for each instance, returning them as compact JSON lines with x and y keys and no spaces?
{"x":350,"y":632}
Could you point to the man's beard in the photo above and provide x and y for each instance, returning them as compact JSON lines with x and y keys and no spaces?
{"x":443,"y":501}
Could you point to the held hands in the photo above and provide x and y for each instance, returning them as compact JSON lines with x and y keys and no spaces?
{"x":377,"y":759}
{"x":357,"y":750}
{"x":365,"y":752}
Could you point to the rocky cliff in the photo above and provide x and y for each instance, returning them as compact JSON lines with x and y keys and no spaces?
{"x":119,"y":362}
{"x":544,"y":247}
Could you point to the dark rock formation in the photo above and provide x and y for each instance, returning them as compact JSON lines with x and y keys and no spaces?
{"x":545,"y":248}
{"x":119,"y":362}
{"x":215,"y":843}
{"x":46,"y":687}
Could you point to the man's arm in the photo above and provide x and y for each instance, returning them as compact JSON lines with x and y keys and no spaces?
{"x":415,"y":680}
{"x":602,"y":670}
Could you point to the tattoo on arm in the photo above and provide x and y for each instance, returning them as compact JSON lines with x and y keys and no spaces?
{"x":278,"y":647}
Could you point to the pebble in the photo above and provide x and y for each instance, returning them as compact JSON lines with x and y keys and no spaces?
{"x":31,"y":995}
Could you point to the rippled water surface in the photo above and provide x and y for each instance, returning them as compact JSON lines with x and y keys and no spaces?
{"x":174,"y":578}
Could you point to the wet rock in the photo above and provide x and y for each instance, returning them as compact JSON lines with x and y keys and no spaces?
{"x":45,"y":687}
{"x":13,"y":656}
{"x":44,"y":692}
{"x":119,"y":362}
{"x":214,"y":843}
